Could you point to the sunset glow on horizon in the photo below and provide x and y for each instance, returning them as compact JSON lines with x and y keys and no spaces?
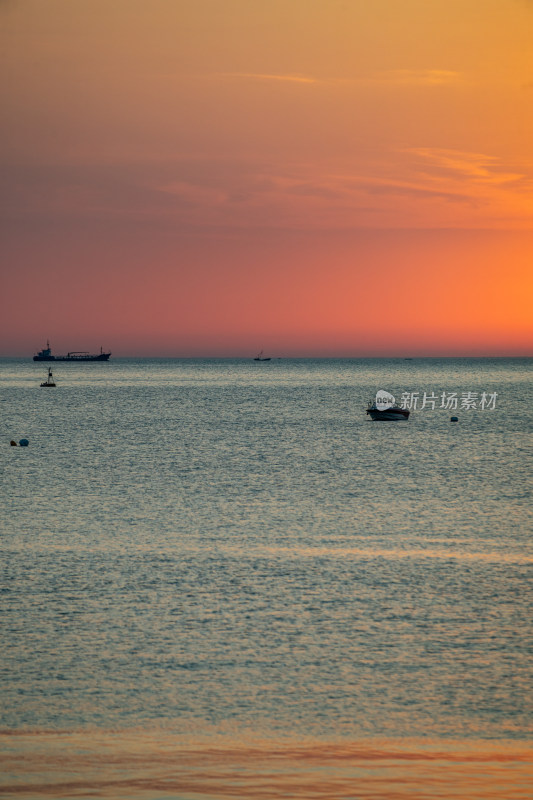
{"x":311,"y":178}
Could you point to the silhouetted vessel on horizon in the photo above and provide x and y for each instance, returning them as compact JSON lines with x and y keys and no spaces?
{"x":261,"y":357}
{"x":80,"y":355}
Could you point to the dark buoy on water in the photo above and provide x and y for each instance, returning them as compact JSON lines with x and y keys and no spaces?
{"x":13,"y":443}
{"x":24,"y":442}
{"x":50,"y":379}
{"x":454,"y":419}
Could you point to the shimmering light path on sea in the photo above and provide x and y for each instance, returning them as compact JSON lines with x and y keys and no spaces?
{"x":221,"y":580}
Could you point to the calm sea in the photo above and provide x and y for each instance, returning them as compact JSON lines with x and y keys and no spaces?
{"x":220,"y":579}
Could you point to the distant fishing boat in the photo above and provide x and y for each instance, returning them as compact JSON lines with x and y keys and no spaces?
{"x":80,"y":355}
{"x":392,"y":413}
{"x":261,"y":357}
{"x":50,"y":379}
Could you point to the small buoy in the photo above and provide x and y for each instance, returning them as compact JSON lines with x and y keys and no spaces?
{"x":23,"y":442}
{"x":454,"y":419}
{"x":13,"y":443}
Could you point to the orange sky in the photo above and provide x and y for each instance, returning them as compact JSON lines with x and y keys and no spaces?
{"x":308,"y":177}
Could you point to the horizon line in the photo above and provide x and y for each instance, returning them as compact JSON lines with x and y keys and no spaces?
{"x":296,"y":357}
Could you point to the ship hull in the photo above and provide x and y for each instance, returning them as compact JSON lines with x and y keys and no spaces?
{"x":388,"y":414}
{"x":99,"y":357}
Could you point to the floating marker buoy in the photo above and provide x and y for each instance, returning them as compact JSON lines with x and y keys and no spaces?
{"x":24,"y":442}
{"x":13,"y":443}
{"x":454,"y":419}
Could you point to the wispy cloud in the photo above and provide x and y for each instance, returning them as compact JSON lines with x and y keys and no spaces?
{"x":396,"y":77}
{"x":418,"y":77}
{"x":478,"y":166}
{"x":388,"y":186}
{"x":261,"y":76}
{"x":194,"y":194}
{"x":416,"y":187}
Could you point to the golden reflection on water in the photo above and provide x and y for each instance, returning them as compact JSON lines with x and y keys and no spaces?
{"x":434,"y":550}
{"x":494,"y":557}
{"x":157,"y":766}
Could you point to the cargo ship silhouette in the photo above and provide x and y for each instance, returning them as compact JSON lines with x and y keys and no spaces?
{"x":46,"y":355}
